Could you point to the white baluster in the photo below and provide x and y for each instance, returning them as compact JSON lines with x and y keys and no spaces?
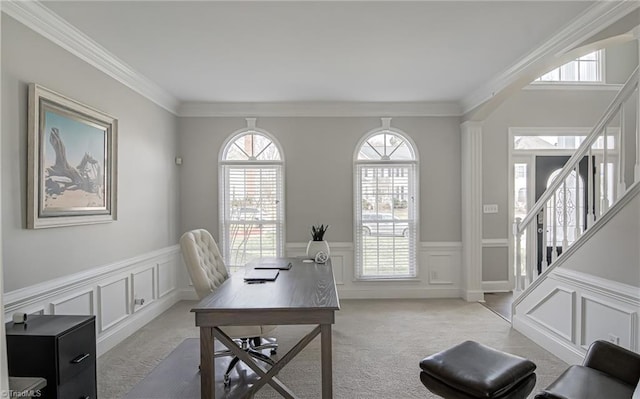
{"x":591,"y":216}
{"x":554,"y":236}
{"x":605,"y":174}
{"x":579,"y":214}
{"x":544,"y":263}
{"x":622,"y":187}
{"x":518,"y":237}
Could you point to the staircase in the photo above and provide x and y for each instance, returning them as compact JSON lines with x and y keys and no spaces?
{"x":583,"y":284}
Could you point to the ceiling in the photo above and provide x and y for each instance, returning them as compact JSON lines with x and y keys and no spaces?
{"x":319,"y":51}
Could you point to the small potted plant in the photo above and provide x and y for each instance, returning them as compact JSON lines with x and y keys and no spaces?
{"x":318,"y":243}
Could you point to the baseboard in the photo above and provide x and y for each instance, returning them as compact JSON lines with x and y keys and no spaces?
{"x":559,"y":347}
{"x":187,"y":294}
{"x":472,"y":296}
{"x":133,"y":323}
{"x":399,"y":293}
{"x":497,"y":286}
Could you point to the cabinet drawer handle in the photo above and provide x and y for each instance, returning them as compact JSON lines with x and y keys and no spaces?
{"x":80,"y":358}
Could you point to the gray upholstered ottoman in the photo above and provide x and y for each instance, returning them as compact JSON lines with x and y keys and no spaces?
{"x":471,"y":371}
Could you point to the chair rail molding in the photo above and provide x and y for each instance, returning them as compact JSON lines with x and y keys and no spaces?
{"x":109,"y":293}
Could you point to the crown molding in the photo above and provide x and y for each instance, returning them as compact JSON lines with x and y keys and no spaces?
{"x":590,"y":22}
{"x":42,"y":20}
{"x":319,"y":109}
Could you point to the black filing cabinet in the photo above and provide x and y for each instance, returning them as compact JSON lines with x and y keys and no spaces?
{"x":61,"y":349}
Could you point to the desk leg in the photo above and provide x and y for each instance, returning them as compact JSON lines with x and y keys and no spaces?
{"x":327,"y":361}
{"x":207,"y":364}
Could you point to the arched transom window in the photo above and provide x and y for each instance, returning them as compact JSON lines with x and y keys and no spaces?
{"x":386,"y":217}
{"x":251,"y":197}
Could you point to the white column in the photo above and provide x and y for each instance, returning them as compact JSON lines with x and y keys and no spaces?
{"x":4,"y":375}
{"x":471,"y":164}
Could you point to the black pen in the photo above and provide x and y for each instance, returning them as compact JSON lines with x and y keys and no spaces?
{"x":255,"y":282}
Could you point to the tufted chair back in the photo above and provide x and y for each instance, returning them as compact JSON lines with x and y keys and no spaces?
{"x":203,"y":260}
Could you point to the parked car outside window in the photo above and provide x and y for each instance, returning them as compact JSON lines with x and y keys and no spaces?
{"x":383,"y":224}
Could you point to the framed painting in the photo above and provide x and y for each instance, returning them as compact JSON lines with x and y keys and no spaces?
{"x":72,"y":162}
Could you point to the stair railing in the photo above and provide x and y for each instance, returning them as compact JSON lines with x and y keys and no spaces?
{"x":561,"y":202}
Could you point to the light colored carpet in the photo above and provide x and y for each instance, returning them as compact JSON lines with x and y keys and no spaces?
{"x":377,"y":347}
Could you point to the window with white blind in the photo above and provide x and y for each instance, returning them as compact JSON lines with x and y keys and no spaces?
{"x":386,"y":217}
{"x":251,"y":198}
{"x":587,"y":68}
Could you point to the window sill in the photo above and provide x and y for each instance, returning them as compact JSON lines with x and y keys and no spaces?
{"x":386,"y":279}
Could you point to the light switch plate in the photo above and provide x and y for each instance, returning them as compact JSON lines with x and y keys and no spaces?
{"x":490,"y":208}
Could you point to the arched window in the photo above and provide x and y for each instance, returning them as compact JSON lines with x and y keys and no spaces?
{"x":386,"y":198}
{"x":251,"y":196}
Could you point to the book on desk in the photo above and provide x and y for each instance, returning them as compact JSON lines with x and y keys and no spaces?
{"x":272,"y":263}
{"x":261,"y":275}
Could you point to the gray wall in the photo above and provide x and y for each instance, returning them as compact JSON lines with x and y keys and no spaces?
{"x":319,"y":171}
{"x":147,"y":186}
{"x":613,"y":252}
{"x":620,"y":61}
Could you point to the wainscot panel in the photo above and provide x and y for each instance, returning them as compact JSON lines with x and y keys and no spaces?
{"x":498,"y":285}
{"x":585,"y":308}
{"x":113,"y":303}
{"x":439,"y":266}
{"x":108,"y":292}
{"x":143,"y":288}
{"x":79,"y":303}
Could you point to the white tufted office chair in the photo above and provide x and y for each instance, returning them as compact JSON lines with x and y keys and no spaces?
{"x":207,"y":271}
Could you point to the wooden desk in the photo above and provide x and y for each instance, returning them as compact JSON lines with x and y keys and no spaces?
{"x":305,"y":294}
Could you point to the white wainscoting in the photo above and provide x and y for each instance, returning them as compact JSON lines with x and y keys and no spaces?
{"x":439,"y":272}
{"x":109,"y":293}
{"x":570,"y":310}
{"x":159,"y":278}
{"x":499,"y":285}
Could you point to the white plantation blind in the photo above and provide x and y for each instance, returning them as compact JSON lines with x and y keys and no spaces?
{"x":252,"y":200}
{"x":386,"y":207}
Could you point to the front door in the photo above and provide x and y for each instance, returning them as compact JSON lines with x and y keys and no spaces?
{"x":546,"y":168}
